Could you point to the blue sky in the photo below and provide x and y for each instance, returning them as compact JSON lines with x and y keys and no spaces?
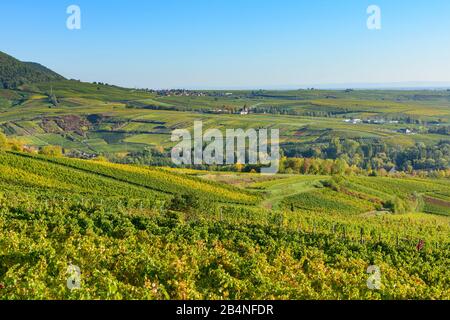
{"x":232,"y":43}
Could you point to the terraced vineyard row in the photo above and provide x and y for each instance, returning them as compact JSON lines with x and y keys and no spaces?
{"x":137,"y":254}
{"x":160,"y":180}
{"x":133,"y":242}
{"x":17,"y":172}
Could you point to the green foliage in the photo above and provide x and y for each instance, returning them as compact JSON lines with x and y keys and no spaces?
{"x":3,"y":141}
{"x":131,"y":254}
{"x":161,"y":180}
{"x":132,"y":242}
{"x":139,"y":232}
{"x":54,"y":151}
{"x":14,"y":73}
{"x":397,"y":205}
{"x":185,"y":203}
{"x":334,"y":183}
{"x":311,"y":123}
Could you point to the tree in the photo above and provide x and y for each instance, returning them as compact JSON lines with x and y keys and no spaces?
{"x":53,"y":100}
{"x":335,"y":148}
{"x":185,"y":202}
{"x":55,"y":151}
{"x":306,"y":165}
{"x":101,"y":159}
{"x":326,"y":167}
{"x":15,"y":145}
{"x":238,"y":167}
{"x":295,"y":164}
{"x":339,"y":167}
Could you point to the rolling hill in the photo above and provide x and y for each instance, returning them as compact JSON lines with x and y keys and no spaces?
{"x":138,"y":229}
{"x":134,"y":235}
{"x":14,"y":73}
{"x":96,"y":178}
{"x":383,"y":128}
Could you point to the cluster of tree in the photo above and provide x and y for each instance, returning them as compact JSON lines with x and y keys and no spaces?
{"x":317,"y":166}
{"x":139,"y":105}
{"x":338,"y":112}
{"x":10,"y":144}
{"x":338,"y":156}
{"x":375,"y":154}
{"x":291,"y":110}
{"x":147,"y":156}
{"x":401,"y":206}
{"x":422,"y":157}
{"x":54,"y":151}
{"x":15,"y":145}
{"x":445,"y":130}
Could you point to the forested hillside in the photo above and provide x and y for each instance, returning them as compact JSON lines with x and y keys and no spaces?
{"x":14,"y":73}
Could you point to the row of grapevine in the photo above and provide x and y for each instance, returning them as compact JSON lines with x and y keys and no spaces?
{"x":125,"y":252}
{"x":154,"y":179}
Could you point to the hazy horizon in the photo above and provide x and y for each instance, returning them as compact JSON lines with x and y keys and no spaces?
{"x":409,"y":85}
{"x":235,"y":45}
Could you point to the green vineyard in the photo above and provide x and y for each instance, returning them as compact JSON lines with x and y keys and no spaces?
{"x":149,"y":233}
{"x":225,"y":159}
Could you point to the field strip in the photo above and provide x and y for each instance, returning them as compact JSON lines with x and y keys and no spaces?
{"x":93,"y":173}
{"x":115,"y":178}
{"x":282,"y":189}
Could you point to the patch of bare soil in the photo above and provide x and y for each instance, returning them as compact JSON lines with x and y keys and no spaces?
{"x":438,"y":202}
{"x":67,"y":123}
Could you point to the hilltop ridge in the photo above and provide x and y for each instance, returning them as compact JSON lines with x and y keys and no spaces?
{"x":14,"y":73}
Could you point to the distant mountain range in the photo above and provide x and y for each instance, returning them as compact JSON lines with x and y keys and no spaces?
{"x":413,"y":85}
{"x":14,"y":73}
{"x":410,"y":85}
